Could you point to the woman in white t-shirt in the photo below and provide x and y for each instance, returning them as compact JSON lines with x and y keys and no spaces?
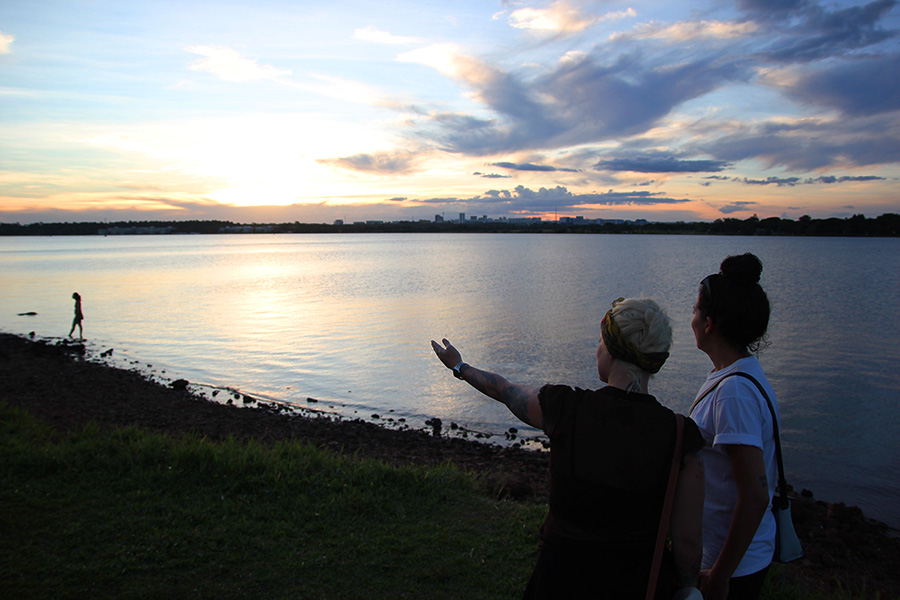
{"x":730,"y":321}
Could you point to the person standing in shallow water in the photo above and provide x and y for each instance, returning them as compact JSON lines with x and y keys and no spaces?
{"x":611,"y":450}
{"x":79,"y":317}
{"x":730,"y":320}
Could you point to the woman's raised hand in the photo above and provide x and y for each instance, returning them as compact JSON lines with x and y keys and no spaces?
{"x":449,"y":355}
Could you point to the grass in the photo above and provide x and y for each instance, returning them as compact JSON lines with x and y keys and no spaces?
{"x":131,"y":514}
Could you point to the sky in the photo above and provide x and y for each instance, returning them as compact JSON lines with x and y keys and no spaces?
{"x":318,"y":110}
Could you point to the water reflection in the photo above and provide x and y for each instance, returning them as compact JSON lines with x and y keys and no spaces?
{"x":347,"y":319}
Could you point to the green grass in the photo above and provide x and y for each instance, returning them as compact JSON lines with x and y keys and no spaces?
{"x":781,"y":584}
{"x":131,"y":514}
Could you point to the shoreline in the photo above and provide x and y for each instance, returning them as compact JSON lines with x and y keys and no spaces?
{"x":63,"y":386}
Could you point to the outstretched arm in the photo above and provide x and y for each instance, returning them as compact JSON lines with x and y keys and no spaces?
{"x":521,"y":400}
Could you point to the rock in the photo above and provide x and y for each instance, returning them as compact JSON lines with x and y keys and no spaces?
{"x":179,"y":384}
{"x":74,"y":348}
{"x":435,"y":425}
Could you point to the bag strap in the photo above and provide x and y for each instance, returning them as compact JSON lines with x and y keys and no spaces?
{"x":782,"y":482}
{"x":667,"y":508}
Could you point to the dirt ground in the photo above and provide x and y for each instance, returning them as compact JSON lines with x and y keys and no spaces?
{"x":59,"y":383}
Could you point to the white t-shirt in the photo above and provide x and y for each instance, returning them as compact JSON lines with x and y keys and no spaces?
{"x":735,"y":413}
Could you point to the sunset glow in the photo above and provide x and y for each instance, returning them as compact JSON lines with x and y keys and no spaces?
{"x":283,"y":111}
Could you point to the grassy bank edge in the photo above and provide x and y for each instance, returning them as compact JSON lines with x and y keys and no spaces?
{"x":131,"y":514}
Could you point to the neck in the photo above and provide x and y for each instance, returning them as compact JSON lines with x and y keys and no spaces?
{"x":625,"y":380}
{"x":726,"y":356}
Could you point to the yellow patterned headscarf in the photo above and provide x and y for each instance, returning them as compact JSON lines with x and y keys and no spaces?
{"x":620,"y":347}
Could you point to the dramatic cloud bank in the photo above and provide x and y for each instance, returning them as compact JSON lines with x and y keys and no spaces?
{"x":687,"y":111}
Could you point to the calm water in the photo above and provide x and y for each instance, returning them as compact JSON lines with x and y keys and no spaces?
{"x":347,"y":319}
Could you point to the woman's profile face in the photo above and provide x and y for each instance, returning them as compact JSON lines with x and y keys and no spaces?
{"x":698,"y":323}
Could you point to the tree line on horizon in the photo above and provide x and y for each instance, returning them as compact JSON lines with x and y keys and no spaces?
{"x":886,"y":225}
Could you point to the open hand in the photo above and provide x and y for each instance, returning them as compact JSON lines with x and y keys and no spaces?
{"x":449,"y":355}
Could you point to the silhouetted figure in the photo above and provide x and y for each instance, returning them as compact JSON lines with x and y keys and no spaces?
{"x":79,"y":317}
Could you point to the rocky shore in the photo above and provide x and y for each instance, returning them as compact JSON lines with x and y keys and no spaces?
{"x":60,"y":384}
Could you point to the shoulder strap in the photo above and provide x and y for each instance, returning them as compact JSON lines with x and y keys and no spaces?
{"x":667,"y":507}
{"x":705,"y":394}
{"x":782,"y":482}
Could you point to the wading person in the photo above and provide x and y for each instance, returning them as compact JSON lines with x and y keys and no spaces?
{"x":79,"y":317}
{"x":730,"y":320}
{"x":611,"y":450}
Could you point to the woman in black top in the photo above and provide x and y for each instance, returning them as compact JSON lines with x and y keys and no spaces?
{"x":610,"y":453}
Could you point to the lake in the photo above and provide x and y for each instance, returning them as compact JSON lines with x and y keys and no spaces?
{"x":346,"y":319}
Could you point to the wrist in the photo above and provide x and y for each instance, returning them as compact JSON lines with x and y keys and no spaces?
{"x":458,"y":368}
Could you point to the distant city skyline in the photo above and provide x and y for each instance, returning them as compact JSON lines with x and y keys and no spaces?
{"x":278,"y":111}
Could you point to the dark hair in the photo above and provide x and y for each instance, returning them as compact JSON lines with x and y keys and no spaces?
{"x":736,"y":302}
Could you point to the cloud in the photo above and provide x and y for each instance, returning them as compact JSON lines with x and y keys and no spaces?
{"x":530,"y":167}
{"x":854,"y":87}
{"x":661,"y":164}
{"x":689,"y":31}
{"x":522,"y":200}
{"x":370,"y":34}
{"x":804,"y":144}
{"x":807,"y":32}
{"x":229,"y":65}
{"x":624,"y":90}
{"x":772,"y":7}
{"x":829,"y":179}
{"x":6,"y":41}
{"x":794,"y":181}
{"x":579,"y":102}
{"x":492,"y":175}
{"x":382,"y":163}
{"x":736,"y":207}
{"x":560,"y":18}
{"x":779,"y":181}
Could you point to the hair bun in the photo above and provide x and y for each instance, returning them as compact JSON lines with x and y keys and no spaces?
{"x":744,"y":268}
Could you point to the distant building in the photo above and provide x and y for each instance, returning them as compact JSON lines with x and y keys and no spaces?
{"x":338,"y":221}
{"x":247,"y":229}
{"x":438,"y":219}
{"x":148,"y":230}
{"x":462,"y":217}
